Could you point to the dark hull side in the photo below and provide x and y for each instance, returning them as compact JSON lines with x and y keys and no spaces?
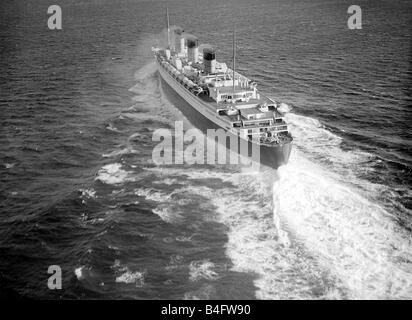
{"x":270,"y":156}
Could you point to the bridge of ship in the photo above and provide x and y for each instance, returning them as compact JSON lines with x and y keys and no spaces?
{"x":274,"y":121}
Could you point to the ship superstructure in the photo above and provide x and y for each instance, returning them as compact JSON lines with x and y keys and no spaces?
{"x":225,"y":97}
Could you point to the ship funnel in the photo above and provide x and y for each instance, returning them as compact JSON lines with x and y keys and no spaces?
{"x":192,"y":48}
{"x":179,"y":40}
{"x":209,"y":60}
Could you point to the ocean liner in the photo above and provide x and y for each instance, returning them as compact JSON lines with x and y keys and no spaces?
{"x":217,"y":97}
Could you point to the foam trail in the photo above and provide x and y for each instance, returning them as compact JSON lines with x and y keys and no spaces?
{"x":282,"y":235}
{"x":145,"y":87}
{"x":253,"y":244}
{"x":285,"y":108}
{"x":112,"y":174}
{"x":328,"y":208}
{"x":145,"y":72}
{"x":270,"y":179}
{"x":352,"y":237}
{"x":338,"y":243}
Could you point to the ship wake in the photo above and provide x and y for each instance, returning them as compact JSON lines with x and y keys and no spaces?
{"x":355,"y":239}
{"x":311,"y":230}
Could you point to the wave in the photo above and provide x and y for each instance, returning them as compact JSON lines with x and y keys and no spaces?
{"x":145,"y":72}
{"x":309,"y":237}
{"x":285,"y":108}
{"x":112,"y":174}
{"x":257,"y":245}
{"x":356,"y":239}
{"x":129,"y":277}
{"x":125,"y":275}
{"x":310,"y":231}
{"x":202,"y":269}
{"x":88,"y":193}
{"x":167,"y":214}
{"x":79,"y":272}
{"x":110,"y":127}
{"x":153,"y":195}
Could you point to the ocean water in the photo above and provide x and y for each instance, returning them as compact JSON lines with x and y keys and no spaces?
{"x":79,"y":190}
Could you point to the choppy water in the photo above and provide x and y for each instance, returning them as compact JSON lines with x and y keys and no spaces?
{"x":78,"y":188}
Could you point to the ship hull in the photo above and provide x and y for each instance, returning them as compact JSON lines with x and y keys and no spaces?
{"x":270,"y":156}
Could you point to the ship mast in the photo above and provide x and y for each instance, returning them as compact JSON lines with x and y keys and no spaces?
{"x":234,"y":62}
{"x":168,"y":28}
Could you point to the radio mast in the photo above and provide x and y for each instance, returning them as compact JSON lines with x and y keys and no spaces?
{"x":234,"y":61}
{"x":168,"y":28}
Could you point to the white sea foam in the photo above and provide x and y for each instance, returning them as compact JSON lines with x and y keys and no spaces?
{"x":285,"y":108}
{"x":116,"y":153}
{"x":146,"y":71}
{"x":166,"y":209}
{"x":167,"y":214}
{"x":254,"y":243}
{"x":112,"y":128}
{"x":321,"y":145}
{"x":317,"y":234}
{"x":88,"y":193}
{"x":146,"y":86}
{"x":153,"y":194}
{"x":185,"y":238}
{"x":79,"y":272}
{"x":192,"y":173}
{"x":125,"y":275}
{"x":324,"y":239}
{"x":147,"y":117}
{"x":129,"y":277}
{"x":354,"y":238}
{"x":202,"y":269}
{"x":112,"y":174}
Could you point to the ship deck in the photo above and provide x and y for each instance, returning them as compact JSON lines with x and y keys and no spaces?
{"x":222,"y":105}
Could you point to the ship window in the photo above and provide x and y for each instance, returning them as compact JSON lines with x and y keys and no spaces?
{"x":229,"y":97}
{"x":249,"y":131}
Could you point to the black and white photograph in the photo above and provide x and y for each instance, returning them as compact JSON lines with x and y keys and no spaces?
{"x":180,"y":150}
